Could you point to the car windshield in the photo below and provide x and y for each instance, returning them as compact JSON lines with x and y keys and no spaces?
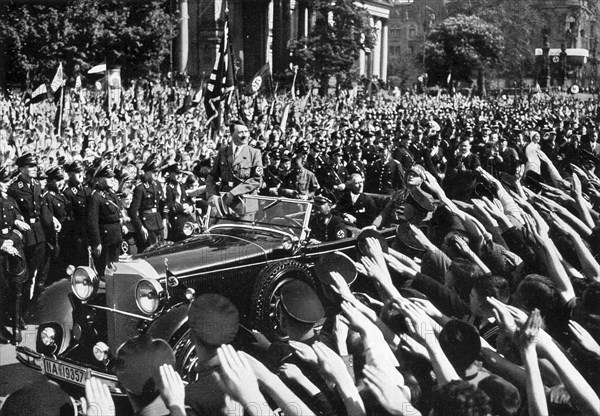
{"x":282,"y":214}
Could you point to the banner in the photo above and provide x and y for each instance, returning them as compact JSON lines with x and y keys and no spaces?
{"x":114,"y":88}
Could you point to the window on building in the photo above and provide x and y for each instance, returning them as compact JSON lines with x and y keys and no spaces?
{"x":412,"y":32}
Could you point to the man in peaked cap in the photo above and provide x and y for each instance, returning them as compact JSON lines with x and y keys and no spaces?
{"x":104,"y":213}
{"x":213,"y":321}
{"x":301,"y":310}
{"x":324,"y":225}
{"x":299,"y":182}
{"x":11,"y":249}
{"x":179,"y":207}
{"x":147,"y":207}
{"x":27,"y":192}
{"x":76,"y":193}
{"x":55,"y":210}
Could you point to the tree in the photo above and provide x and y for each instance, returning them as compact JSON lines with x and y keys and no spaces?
{"x":332,"y":48}
{"x":403,"y":71}
{"x":83,"y":33}
{"x":521,"y":24}
{"x":465,"y":46}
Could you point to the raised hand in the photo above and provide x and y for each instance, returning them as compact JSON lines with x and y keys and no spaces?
{"x":505,"y":319}
{"x":98,"y":401}
{"x":172,"y":389}
{"x":584,"y":338}
{"x":236,"y":376}
{"x":304,"y":352}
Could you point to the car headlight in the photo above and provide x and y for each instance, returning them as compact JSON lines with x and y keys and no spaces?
{"x":188,"y":229}
{"x":48,"y":336}
{"x":84,"y":282}
{"x":149,"y":295}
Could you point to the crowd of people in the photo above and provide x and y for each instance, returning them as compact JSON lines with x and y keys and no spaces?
{"x":487,"y":302}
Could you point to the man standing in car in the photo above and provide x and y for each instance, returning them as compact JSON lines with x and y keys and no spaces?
{"x":238,"y":169}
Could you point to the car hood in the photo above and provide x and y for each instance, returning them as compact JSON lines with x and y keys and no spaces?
{"x":213,"y":251}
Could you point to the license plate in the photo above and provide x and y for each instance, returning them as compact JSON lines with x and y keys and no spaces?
{"x":64,"y":371}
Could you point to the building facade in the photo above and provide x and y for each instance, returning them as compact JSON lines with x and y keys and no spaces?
{"x":260,"y":32}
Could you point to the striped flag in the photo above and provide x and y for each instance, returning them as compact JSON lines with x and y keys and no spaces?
{"x":39,"y":94}
{"x":221,"y":80}
{"x":58,"y":80}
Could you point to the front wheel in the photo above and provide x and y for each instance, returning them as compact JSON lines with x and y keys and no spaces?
{"x":266,"y":295}
{"x":185,"y":354}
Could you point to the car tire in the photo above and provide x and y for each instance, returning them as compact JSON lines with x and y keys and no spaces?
{"x":185,"y":354}
{"x":266,"y":293}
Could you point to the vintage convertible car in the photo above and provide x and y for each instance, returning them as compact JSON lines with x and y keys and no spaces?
{"x":246,"y":257}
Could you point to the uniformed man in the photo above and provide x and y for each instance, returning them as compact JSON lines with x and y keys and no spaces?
{"x":334,"y":174}
{"x":27,"y":192}
{"x":324,"y":225}
{"x":356,"y":164}
{"x":179,"y":206}
{"x":104,"y":220}
{"x":147,"y":207}
{"x":355,"y":207}
{"x":55,"y":207}
{"x":272,"y":179}
{"x":11,"y":255}
{"x":403,"y":153}
{"x":385,"y":175}
{"x":299,"y":182}
{"x":237,"y":171}
{"x":314,"y":160}
{"x":75,"y":243}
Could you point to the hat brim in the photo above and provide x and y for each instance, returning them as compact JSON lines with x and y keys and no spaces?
{"x":335,"y":262}
{"x":361,"y":241}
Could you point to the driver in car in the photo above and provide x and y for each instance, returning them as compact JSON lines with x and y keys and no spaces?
{"x":324,"y":224}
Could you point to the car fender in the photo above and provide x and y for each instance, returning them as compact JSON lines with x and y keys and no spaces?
{"x":54,"y":305}
{"x":167,"y":326}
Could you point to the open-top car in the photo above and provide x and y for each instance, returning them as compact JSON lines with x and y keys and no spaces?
{"x":245,"y":256}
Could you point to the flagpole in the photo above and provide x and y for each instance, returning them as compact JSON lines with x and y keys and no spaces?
{"x":294,"y":82}
{"x":60,"y":114}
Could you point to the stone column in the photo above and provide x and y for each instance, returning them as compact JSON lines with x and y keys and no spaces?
{"x":183,"y":36}
{"x":362,"y":57}
{"x":384,"y":51}
{"x":377,"y":50}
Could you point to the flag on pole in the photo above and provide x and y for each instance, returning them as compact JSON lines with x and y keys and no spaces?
{"x":221,"y":82}
{"x":98,"y":69}
{"x":449,"y":78}
{"x":58,"y":80}
{"x":39,"y":94}
{"x":261,"y":80}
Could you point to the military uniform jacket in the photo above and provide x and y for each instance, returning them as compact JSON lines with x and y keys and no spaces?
{"x":364,"y":209}
{"x":332,"y":175}
{"x":327,"y":228}
{"x":104,"y":218}
{"x":240,"y":176}
{"x":356,"y":166}
{"x":147,"y":206}
{"x":54,"y":206}
{"x":314,"y":164}
{"x":76,"y":197}
{"x":9,"y":213}
{"x":299,"y":182}
{"x":29,"y":199}
{"x":175,"y":198}
{"x":384,"y":177}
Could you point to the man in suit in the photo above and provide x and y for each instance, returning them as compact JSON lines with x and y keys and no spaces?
{"x":27,"y":191}
{"x":356,"y":208}
{"x":237,"y":171}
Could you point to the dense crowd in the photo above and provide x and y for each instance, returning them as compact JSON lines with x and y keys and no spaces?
{"x":486,"y":303}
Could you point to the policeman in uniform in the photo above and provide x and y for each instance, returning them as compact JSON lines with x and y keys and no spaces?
{"x":299,"y":182}
{"x":11,"y":255}
{"x":356,"y":164}
{"x":324,"y":225}
{"x":55,"y":210}
{"x":314,"y":160}
{"x":76,"y":193}
{"x":27,"y":192}
{"x":104,"y":219}
{"x":237,"y":171}
{"x":179,"y":207}
{"x":147,"y":207}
